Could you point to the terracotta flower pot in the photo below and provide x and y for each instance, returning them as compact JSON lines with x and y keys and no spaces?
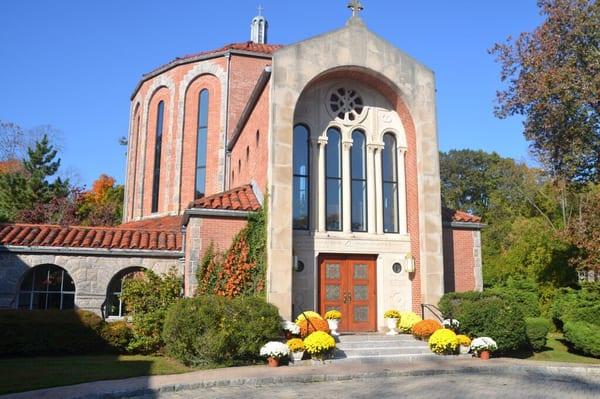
{"x":273,"y":362}
{"x":485,"y":355}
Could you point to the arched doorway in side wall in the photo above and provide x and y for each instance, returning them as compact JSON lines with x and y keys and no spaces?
{"x":46,"y":287}
{"x":114,"y":305}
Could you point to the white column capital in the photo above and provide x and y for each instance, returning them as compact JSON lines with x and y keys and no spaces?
{"x":347,"y":144}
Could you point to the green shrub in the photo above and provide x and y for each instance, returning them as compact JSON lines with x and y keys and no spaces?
{"x":218,"y":330}
{"x":577,"y":305}
{"x":147,"y":302}
{"x":117,"y":335}
{"x":522,"y":293}
{"x":537,"y":329}
{"x":51,"y":332}
{"x":481,"y":314}
{"x":585,"y":337}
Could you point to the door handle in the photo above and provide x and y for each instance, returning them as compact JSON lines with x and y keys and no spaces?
{"x":347,"y":297}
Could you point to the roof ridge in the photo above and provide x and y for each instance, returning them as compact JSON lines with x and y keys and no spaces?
{"x":71,"y":226}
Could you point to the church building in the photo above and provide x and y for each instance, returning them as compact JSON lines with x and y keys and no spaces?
{"x":334,"y":136}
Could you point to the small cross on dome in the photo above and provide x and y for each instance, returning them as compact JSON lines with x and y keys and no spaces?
{"x":355,"y":6}
{"x":260,"y":10}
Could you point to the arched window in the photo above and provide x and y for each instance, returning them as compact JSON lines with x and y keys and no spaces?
{"x":257,"y":137}
{"x":200,"y":186}
{"x":301,"y":177}
{"x":389,"y":168}
{"x":115,"y":307}
{"x":359,"y":181}
{"x":247,"y":154}
{"x":333,"y":180}
{"x":47,"y":287}
{"x":157,"y":152}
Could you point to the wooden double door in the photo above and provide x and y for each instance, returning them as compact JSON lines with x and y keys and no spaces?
{"x":348,"y":284}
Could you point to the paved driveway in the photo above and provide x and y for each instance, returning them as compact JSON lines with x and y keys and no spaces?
{"x":463,"y":386}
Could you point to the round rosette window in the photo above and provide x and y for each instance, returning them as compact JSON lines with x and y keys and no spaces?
{"x":346,"y":105}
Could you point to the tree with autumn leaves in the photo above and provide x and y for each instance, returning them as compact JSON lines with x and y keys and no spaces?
{"x":31,"y":191}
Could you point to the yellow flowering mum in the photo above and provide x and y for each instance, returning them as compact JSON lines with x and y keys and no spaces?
{"x":407,"y":321}
{"x":308,"y":314}
{"x":463,"y":340}
{"x":295,"y":345}
{"x":319,"y":343}
{"x":333,"y":315}
{"x":443,"y":342}
{"x":391,"y":314}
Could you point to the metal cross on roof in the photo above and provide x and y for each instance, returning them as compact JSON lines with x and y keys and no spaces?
{"x":355,"y":6}
{"x":260,"y":9}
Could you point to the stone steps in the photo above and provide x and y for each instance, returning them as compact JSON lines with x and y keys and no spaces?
{"x":381,"y":348}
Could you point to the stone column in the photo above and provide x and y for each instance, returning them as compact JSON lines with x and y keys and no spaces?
{"x":313,"y":183}
{"x":378,"y":188}
{"x":402,"y":191}
{"x":321,"y":179}
{"x":346,"y":188}
{"x":371,"y":197}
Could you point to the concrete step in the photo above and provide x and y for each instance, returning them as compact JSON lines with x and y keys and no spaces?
{"x":360,"y":352}
{"x":381,"y":344}
{"x":406,"y":358}
{"x":374,"y":337}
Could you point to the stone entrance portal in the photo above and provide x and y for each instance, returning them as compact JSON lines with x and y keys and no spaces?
{"x":348,"y":284}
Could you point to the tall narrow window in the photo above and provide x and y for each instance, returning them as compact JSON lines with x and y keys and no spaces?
{"x":333,"y":180}
{"x":157,"y":152}
{"x":359,"y":181}
{"x":389,"y":169}
{"x":200,"y":186}
{"x":301,"y":177}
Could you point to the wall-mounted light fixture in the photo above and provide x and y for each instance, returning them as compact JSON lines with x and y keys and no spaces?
{"x":409,"y":263}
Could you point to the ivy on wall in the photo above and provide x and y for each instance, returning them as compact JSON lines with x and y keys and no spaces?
{"x":241,"y":270}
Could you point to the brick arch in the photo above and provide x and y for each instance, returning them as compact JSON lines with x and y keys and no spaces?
{"x":211,"y":83}
{"x":398,"y":100}
{"x":135,"y":131}
{"x":200,"y":69}
{"x":161,"y":93}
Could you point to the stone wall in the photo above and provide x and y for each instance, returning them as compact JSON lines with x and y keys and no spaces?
{"x":90,"y":273}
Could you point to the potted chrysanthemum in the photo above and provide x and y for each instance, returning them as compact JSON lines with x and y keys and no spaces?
{"x":296,"y":348}
{"x":333,"y":318}
{"x":392,"y":316}
{"x":274,"y":351}
{"x":319,"y":345}
{"x":483,"y":346}
{"x":465,"y":343}
{"x":290,"y":329}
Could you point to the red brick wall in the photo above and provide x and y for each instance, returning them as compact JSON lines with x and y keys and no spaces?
{"x":459,"y":262}
{"x":132,"y":167}
{"x":220,"y":231}
{"x":250,"y":151}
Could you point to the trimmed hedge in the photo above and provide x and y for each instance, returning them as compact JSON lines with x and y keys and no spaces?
{"x":484,"y":315}
{"x":585,"y":337}
{"x":50,"y":332}
{"x":218,"y":330}
{"x":118,"y":335}
{"x":537,"y":329}
{"x":577,"y":305}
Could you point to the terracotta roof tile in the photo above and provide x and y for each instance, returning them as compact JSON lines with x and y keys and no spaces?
{"x":120,"y":237}
{"x":452,"y":215}
{"x":249,"y":46}
{"x":237,"y":199}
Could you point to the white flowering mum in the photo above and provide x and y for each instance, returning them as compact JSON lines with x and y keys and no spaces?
{"x":290,"y":326}
{"x":483,"y":344}
{"x":275,"y":350}
{"x":451,"y":323}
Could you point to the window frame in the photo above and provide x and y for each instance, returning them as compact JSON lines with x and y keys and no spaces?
{"x":204,"y":126}
{"x":340,"y":179}
{"x":160,"y":114}
{"x":307,"y":177}
{"x":395,"y":182}
{"x":32,"y":291}
{"x":364,"y":180}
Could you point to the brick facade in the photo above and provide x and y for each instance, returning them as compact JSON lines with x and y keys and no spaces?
{"x":459,"y":260}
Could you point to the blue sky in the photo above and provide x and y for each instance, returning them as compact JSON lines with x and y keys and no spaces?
{"x":73,"y":64}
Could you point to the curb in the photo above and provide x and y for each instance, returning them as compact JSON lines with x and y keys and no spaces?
{"x":540,"y":371}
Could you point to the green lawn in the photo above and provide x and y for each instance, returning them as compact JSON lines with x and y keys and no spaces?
{"x":25,"y":374}
{"x":558,"y":352}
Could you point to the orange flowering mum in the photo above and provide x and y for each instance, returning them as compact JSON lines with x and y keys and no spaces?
{"x":311,"y":325}
{"x":425,"y":328}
